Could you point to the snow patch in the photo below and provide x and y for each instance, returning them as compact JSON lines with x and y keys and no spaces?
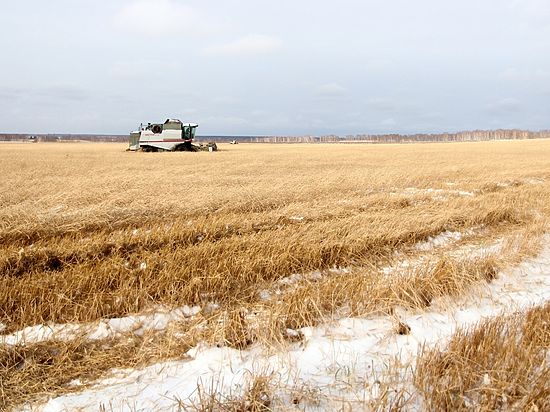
{"x":465,"y":251}
{"x":465,"y":193}
{"x":534,"y":181}
{"x":103,"y":329}
{"x":210,"y":308}
{"x":442,"y":239}
{"x":313,"y":276}
{"x":264,"y":294}
{"x":440,"y":195}
{"x":431,"y":191}
{"x":291,"y":279}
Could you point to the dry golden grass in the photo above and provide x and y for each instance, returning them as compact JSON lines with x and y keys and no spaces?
{"x":257,"y":397}
{"x":502,"y":364}
{"x":39,"y":370}
{"x":88,"y":231}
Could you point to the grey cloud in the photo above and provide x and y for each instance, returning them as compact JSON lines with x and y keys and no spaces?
{"x":51,"y":93}
{"x":332,"y":89}
{"x":248,"y":66}
{"x":259,"y":113}
{"x":390,"y":121}
{"x":381,"y":104}
{"x":506,"y":105}
{"x":225,"y":100}
{"x":534,"y":11}
{"x":162,"y":18}
{"x":250,"y":44}
{"x":10,"y":94}
{"x":513,"y":74}
{"x":431,"y":116}
{"x":144,"y":68}
{"x":378,"y":64}
{"x":62,"y":92}
{"x":542,"y":74}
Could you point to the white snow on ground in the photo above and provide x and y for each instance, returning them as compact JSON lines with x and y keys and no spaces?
{"x":432,"y":191}
{"x":534,"y":181}
{"x":346,"y":360}
{"x":447,"y":238}
{"x":296,"y":278}
{"x":442,"y":194}
{"x":528,"y":181}
{"x":439,"y":240}
{"x":105,"y":328}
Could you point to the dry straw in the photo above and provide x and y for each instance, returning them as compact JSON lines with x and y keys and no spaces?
{"x":90,"y":232}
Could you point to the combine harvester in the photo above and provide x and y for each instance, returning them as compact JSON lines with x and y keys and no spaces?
{"x":170,"y":136}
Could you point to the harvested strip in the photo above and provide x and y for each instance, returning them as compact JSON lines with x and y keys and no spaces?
{"x":363,"y":363}
{"x":40,"y":370}
{"x":229,"y":269}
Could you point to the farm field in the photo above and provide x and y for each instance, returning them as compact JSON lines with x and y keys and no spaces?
{"x":275,"y":277}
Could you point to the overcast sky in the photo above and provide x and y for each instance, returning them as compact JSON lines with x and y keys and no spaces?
{"x":275,"y":67}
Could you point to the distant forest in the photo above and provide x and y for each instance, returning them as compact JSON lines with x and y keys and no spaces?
{"x":466,"y":136}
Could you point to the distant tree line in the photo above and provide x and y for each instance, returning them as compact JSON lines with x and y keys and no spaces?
{"x":466,"y":136}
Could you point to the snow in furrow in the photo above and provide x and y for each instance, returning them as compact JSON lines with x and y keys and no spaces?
{"x":347,"y":360}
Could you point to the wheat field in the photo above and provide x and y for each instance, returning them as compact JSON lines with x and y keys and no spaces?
{"x":266,"y":239}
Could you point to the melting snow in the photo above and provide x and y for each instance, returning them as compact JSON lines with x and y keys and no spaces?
{"x":431,"y":191}
{"x":442,"y":239}
{"x":347,"y":361}
{"x":534,"y":181}
{"x":440,"y":195}
{"x":264,"y":294}
{"x":100,"y":330}
{"x":465,"y":251}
